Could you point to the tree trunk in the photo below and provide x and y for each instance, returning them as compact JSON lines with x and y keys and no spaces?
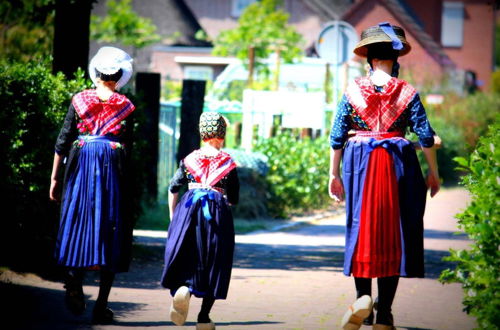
{"x":251,"y":64}
{"x":71,"y":36}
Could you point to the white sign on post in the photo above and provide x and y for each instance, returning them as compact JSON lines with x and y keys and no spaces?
{"x":335,"y":45}
{"x":336,"y":42}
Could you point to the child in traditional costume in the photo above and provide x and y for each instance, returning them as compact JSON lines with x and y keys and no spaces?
{"x":95,"y":229}
{"x":200,"y":244}
{"x":383,"y":183}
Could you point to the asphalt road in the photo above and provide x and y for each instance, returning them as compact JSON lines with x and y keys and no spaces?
{"x":282,"y":279}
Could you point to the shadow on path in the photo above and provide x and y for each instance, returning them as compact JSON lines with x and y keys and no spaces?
{"x":442,"y":234}
{"x":146,"y":267}
{"x":292,"y":257}
{"x":29,"y":307}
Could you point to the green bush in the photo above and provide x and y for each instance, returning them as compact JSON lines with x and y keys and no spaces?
{"x":495,"y":81}
{"x":252,"y":169}
{"x":34,"y":102}
{"x":298,"y":173}
{"x":459,"y":122}
{"x":453,"y":146}
{"x":171,"y":90}
{"x":470,"y":115}
{"x":478,"y":268}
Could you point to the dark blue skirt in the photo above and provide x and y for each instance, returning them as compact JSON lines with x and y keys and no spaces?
{"x":92,"y":232}
{"x":199,"y":252}
{"x":412,"y":195}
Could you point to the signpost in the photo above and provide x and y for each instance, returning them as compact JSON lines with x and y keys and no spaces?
{"x":335,"y":44}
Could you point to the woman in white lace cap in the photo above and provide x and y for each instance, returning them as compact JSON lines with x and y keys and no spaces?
{"x":95,"y":230}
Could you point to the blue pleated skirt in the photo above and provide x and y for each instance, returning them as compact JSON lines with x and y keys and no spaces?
{"x":199,"y":252}
{"x":92,"y":232}
{"x":411,"y":195}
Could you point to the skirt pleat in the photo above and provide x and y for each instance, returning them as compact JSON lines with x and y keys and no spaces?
{"x":199,"y":252}
{"x":92,"y":231}
{"x":378,"y":252}
{"x":385,"y":202}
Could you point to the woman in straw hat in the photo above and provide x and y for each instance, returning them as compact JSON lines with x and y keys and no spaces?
{"x":200,"y":244}
{"x":95,"y":231}
{"x":381,"y":177}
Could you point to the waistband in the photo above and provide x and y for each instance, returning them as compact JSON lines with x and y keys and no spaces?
{"x":365,"y":136}
{"x":98,"y":138}
{"x":381,"y":135}
{"x":196,"y":185}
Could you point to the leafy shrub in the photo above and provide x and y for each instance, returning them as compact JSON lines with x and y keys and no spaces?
{"x":470,"y":115}
{"x":453,"y":146}
{"x":171,"y":90}
{"x":252,"y":169}
{"x":459,"y":122}
{"x":495,"y":82}
{"x":34,"y":102}
{"x":478,"y":269}
{"x":298,"y":173}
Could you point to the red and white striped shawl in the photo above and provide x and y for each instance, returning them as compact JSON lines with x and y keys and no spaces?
{"x":209,"y":170}
{"x":99,"y":117}
{"x":379,"y":110}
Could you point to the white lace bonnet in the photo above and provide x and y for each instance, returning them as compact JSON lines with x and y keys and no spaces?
{"x":109,"y":60}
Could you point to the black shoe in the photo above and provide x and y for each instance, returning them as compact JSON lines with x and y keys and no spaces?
{"x":74,"y":298}
{"x":102,"y":316}
{"x":385,"y":318}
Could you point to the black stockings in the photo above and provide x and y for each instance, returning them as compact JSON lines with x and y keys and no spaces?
{"x":387,"y":287}
{"x":363,"y":286}
{"x":206,"y":307}
{"x":75,"y":277}
{"x":106,"y":282}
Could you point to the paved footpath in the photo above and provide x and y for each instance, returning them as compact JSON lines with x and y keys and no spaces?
{"x":287,"y":279}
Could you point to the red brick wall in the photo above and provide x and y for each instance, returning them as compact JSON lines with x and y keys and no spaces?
{"x":429,"y":13}
{"x":165,"y":64}
{"x":476,"y":54}
{"x":215,"y":16}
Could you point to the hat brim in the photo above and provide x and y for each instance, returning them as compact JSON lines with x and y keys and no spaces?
{"x":126,"y":72}
{"x":361,"y":48}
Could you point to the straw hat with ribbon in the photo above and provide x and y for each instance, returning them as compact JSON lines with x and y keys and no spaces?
{"x":382,"y":33}
{"x":109,"y":60}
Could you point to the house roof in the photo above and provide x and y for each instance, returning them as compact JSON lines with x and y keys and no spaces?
{"x":410,"y":23}
{"x":180,"y":19}
{"x":329,"y":10}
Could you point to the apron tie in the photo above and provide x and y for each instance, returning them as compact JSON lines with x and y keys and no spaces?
{"x":204,"y":196}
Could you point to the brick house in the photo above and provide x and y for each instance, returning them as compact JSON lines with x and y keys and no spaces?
{"x":446,"y":36}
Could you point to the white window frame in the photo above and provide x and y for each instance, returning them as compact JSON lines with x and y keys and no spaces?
{"x":452,"y":24}
{"x":237,"y":6}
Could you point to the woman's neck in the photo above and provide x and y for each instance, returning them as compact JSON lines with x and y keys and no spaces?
{"x":380,"y":78}
{"x":211,"y":148}
{"x":104,"y":90}
{"x":383,"y":65}
{"x":382,"y":70}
